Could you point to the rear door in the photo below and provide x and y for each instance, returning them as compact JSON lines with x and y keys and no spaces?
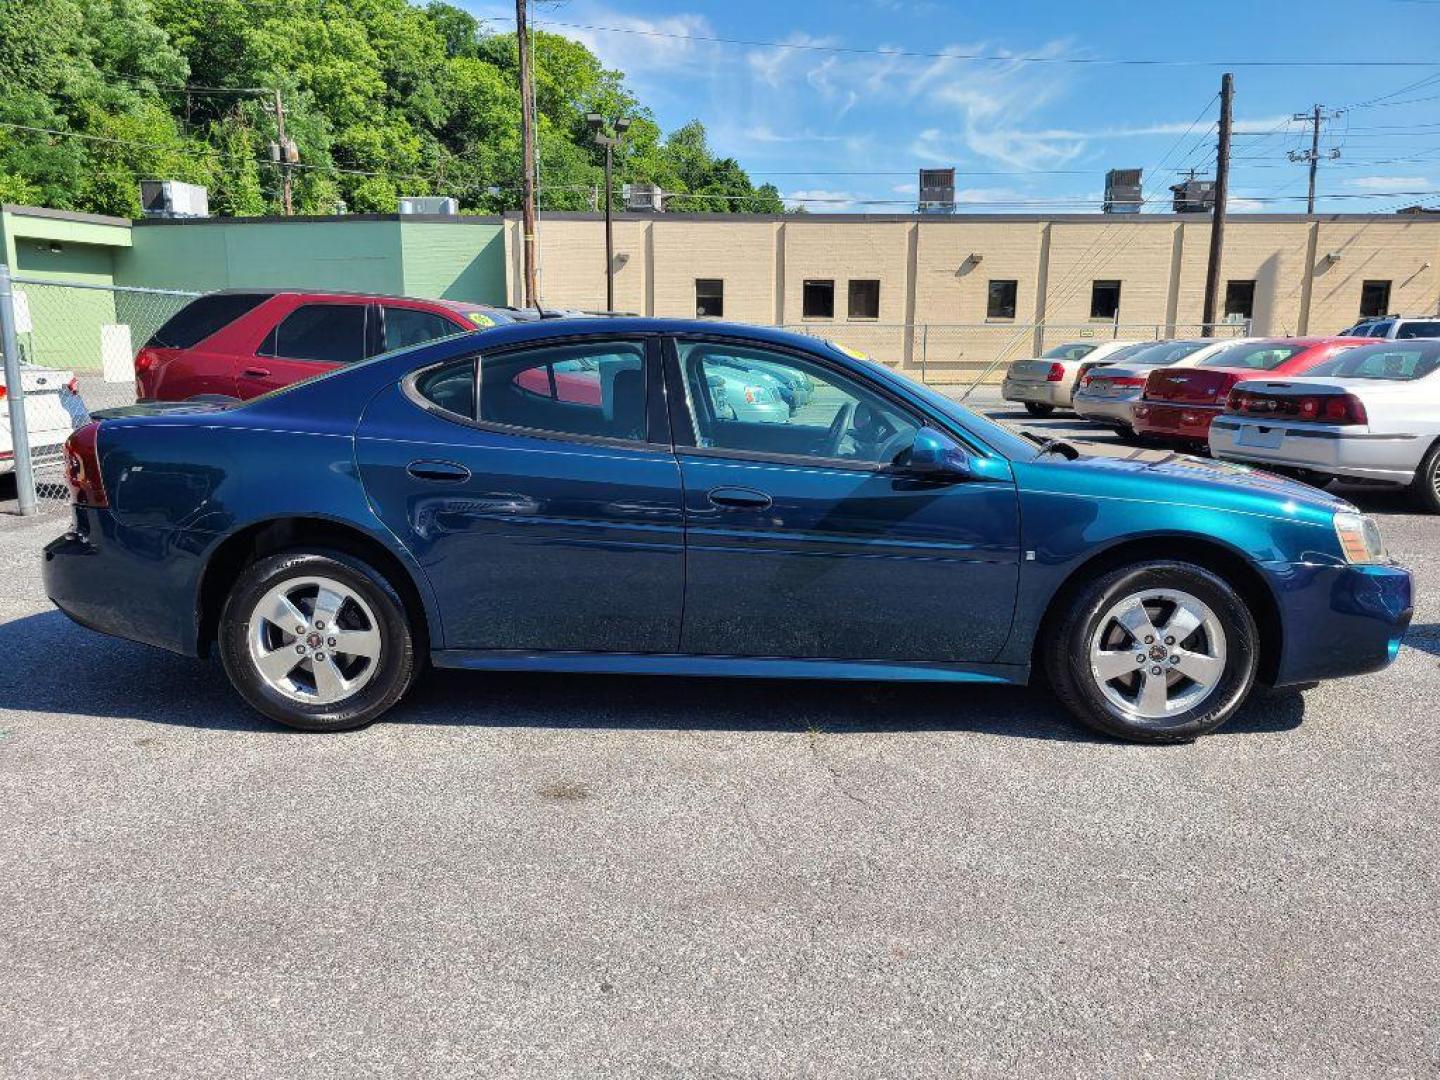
{"x":403,"y":325}
{"x":312,"y":338}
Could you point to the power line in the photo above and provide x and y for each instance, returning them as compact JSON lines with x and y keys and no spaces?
{"x":1001,"y":58}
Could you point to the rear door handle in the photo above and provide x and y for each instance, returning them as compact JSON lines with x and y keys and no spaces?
{"x":257,"y":372}
{"x":736,"y":498}
{"x":445,"y":472}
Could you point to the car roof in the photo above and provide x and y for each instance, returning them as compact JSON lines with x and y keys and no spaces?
{"x":455,"y":305}
{"x":619,"y":325}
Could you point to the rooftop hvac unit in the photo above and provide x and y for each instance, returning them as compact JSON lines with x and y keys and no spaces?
{"x":937,"y":191}
{"x":1122,"y":191}
{"x":646,"y":197}
{"x":173,"y":199}
{"x":1194,"y":196}
{"x":429,"y":204}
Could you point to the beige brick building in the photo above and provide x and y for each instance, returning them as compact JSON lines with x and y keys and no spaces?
{"x":952,"y":293}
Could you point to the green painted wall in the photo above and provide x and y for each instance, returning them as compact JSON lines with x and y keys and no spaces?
{"x":453,"y":260}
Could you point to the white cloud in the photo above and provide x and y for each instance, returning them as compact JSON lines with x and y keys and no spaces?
{"x":821,"y":200}
{"x":1388,"y":183}
{"x":762,"y":133}
{"x":1237,"y":204}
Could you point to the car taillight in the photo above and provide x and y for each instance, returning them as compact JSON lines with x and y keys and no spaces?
{"x":1127,"y":380}
{"x":144,"y":361}
{"x":82,"y":466}
{"x":1084,"y":381}
{"x":73,"y":385}
{"x":3,"y":393}
{"x":1057,"y":373}
{"x":1324,"y":408}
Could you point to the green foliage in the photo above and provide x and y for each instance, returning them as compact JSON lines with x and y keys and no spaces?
{"x":383,"y":98}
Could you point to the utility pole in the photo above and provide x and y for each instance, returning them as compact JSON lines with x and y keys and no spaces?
{"x":527,"y":140}
{"x":284,"y":152}
{"x":1314,"y":119}
{"x":1222,"y":193}
{"x":609,"y":142}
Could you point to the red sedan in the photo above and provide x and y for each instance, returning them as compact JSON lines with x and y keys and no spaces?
{"x":245,"y":342}
{"x":1179,"y":402}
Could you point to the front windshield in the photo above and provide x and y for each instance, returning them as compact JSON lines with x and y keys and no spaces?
{"x":1401,"y":363}
{"x":1254,"y":355}
{"x":1073,"y":350}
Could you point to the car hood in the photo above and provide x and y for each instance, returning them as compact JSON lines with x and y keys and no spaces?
{"x":1114,"y":471}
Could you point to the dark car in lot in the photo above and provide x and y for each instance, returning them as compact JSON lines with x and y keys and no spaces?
{"x":447,"y":503}
{"x":245,"y":342}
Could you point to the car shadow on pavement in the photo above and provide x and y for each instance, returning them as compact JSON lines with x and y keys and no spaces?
{"x":1423,"y":637}
{"x":107,"y":677}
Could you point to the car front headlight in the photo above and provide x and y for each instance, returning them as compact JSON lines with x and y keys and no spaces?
{"x":1360,"y":538}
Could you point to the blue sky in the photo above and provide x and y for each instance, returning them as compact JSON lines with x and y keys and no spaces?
{"x":846,"y":130}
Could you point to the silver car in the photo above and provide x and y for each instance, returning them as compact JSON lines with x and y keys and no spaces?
{"x":749,"y":395}
{"x":1105,"y":394}
{"x":1371,"y":413}
{"x":1398,"y":327}
{"x":1046,"y":382}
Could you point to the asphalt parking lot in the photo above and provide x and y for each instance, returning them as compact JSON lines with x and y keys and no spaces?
{"x":582,"y":876}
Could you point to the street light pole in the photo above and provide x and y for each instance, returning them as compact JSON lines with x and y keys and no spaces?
{"x":609,"y":142}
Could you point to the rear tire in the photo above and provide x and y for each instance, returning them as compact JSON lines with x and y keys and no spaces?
{"x":1035,"y":408}
{"x":1426,"y":486}
{"x":1164,"y":687}
{"x":317,"y":640}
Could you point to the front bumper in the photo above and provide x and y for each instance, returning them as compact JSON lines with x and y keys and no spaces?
{"x":1339,"y":620}
{"x":1056,"y":394}
{"x":1331,"y":449}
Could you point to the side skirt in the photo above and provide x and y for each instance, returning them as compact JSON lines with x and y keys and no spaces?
{"x":731,"y":666}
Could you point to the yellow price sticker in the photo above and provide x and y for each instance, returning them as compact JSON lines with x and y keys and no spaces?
{"x":479,"y":318}
{"x":854,"y":354}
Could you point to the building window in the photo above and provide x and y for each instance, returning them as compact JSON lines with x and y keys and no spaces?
{"x":1104,"y":299}
{"x":709,"y":298}
{"x":1374,"y":299}
{"x":1001,"y":302}
{"x":864,"y":299}
{"x":1240,"y":299}
{"x":818,"y":301}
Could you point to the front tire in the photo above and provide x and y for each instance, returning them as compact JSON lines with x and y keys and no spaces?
{"x":317,"y":640}
{"x":1035,"y":408}
{"x":1157,"y":651}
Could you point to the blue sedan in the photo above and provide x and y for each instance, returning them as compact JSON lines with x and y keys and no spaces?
{"x":455,"y":503}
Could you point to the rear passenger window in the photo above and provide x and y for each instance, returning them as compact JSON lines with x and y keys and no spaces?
{"x":451,"y":388}
{"x":594,"y":389}
{"x":409,"y":326}
{"x":202,"y":317}
{"x":329,"y":333}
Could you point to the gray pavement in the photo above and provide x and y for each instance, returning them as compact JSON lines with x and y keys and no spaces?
{"x":582,"y":877}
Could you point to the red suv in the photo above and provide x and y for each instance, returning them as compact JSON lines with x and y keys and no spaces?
{"x":1178,"y":403}
{"x":244,"y":342}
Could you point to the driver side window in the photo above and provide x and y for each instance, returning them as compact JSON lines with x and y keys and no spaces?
{"x":752,"y":399}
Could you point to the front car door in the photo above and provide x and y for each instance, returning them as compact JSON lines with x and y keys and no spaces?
{"x":538,"y":489}
{"x":803,"y":541}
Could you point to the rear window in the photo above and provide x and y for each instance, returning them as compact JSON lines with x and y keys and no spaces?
{"x":1165,"y":352}
{"x":1255,"y":357}
{"x":1418,"y":330}
{"x":202,"y":317}
{"x":1073,"y":350}
{"x":1383,"y":362}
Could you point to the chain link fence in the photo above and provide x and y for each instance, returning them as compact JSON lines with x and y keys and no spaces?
{"x":75,"y":346}
{"x":971,"y":354}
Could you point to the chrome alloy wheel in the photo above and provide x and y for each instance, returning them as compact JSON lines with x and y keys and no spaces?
{"x":1157,"y":653}
{"x":314,"y":640}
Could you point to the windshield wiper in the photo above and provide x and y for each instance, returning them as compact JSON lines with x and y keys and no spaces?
{"x":1056,"y":446}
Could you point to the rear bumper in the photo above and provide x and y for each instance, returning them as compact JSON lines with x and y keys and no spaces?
{"x":1322,"y":448}
{"x":1039,"y":393}
{"x":1339,"y":620}
{"x":1114,"y":411}
{"x":1188,"y":424}
{"x":140,"y":584}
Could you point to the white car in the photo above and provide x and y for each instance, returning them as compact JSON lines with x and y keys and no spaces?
{"x":1107,"y":393}
{"x":1046,"y":382}
{"x":1371,"y":413}
{"x":1396,"y":327}
{"x":53,"y":409}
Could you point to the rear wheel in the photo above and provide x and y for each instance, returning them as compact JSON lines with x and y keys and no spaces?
{"x":316,"y":640}
{"x":1426,"y":485}
{"x":1154,"y":652}
{"x":1035,"y":408}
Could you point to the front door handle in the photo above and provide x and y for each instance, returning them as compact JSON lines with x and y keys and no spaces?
{"x":737,"y":498}
{"x":257,"y":372}
{"x":445,"y":472}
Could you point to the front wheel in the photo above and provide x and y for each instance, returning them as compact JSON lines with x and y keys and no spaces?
{"x":1156,"y":651}
{"x":1426,"y":485}
{"x":316,"y":640}
{"x":1035,"y":408}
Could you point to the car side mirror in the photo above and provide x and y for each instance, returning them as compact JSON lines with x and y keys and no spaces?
{"x":935,"y":455}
